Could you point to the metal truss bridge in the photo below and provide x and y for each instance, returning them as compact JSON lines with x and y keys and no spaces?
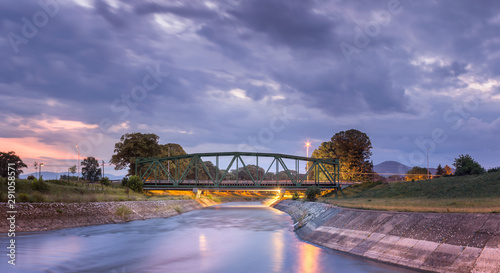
{"x":197,"y":171}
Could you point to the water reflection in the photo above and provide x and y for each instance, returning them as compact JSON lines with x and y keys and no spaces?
{"x":308,"y":258}
{"x":278,"y":245}
{"x":239,"y":237}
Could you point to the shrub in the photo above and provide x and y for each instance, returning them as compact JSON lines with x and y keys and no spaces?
{"x":125,"y":181}
{"x":466,"y":166}
{"x":23,"y":197}
{"x":40,"y":186}
{"x":37,"y":197}
{"x":105,"y":181}
{"x":123,"y":211}
{"x":295,"y":196}
{"x":494,"y":170}
{"x":31,"y":177}
{"x":135,"y":183}
{"x":312,"y":193}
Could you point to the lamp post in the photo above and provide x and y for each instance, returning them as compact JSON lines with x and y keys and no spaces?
{"x":307,"y":148}
{"x":428,"y":173}
{"x":40,"y":170}
{"x":78,"y":171}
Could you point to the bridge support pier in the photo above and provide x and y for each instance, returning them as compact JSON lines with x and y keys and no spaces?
{"x":197,"y":192}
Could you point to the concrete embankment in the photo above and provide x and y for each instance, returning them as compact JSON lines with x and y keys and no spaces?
{"x":48,"y":216}
{"x":438,"y":242}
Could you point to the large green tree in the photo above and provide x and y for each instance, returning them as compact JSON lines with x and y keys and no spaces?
{"x":135,"y":145}
{"x":465,"y":165}
{"x":132,"y":146}
{"x":90,"y":169}
{"x":353,"y":149}
{"x":16,"y":163}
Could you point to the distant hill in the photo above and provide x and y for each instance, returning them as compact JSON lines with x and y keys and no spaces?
{"x":53,"y":175}
{"x":388,"y":168}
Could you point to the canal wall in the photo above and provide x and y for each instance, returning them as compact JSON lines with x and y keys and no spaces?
{"x":48,"y":216}
{"x":437,"y":242}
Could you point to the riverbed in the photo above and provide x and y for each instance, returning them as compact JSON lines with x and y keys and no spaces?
{"x":232,"y":237}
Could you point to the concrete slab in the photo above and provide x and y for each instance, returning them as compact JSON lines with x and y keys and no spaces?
{"x":488,"y":261}
{"x":380,"y":221}
{"x":418,"y":254}
{"x":368,"y":243}
{"x":403,"y":228}
{"x":351,"y":239}
{"x":492,"y":225}
{"x":442,"y":258}
{"x":466,"y":260}
{"x":377,"y":251}
{"x":392,"y":222}
{"x":359,"y":220}
{"x":463,"y":234}
{"x":398,"y":250}
{"x":425,"y":228}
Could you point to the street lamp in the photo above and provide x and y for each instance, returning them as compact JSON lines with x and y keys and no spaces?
{"x":428,"y":173}
{"x":40,"y":170}
{"x":78,"y":172}
{"x":307,"y":148}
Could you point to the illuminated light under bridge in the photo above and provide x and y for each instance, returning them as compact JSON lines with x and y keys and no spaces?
{"x":192,"y":171}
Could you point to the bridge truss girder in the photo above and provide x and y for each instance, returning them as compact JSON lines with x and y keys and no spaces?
{"x":156,"y":168}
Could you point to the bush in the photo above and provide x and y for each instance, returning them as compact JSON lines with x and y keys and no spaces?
{"x":31,"y":177}
{"x":135,"y":183}
{"x":312,"y":193}
{"x":123,"y":211}
{"x":494,"y":170}
{"x":105,"y":181}
{"x":37,"y":197}
{"x":125,"y":181}
{"x":295,"y":196}
{"x":466,"y":166}
{"x":23,"y":197}
{"x":40,"y":186}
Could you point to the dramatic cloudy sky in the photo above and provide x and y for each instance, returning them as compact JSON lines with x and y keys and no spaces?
{"x":250,"y":75}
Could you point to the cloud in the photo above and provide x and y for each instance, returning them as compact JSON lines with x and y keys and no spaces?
{"x":232,"y":64}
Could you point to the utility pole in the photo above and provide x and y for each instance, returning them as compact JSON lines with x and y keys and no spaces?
{"x":103,"y":168}
{"x":78,"y":171}
{"x":428,"y":173}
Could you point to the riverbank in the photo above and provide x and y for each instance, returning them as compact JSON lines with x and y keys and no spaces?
{"x":49,"y":216}
{"x":437,"y":242}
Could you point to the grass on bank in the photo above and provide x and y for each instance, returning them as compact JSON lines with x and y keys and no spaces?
{"x":81,"y":192}
{"x":473,"y":193}
{"x":67,"y":192}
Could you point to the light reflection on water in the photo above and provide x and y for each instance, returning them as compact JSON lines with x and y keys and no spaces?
{"x":234,"y":237}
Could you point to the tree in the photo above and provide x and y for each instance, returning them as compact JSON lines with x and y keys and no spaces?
{"x":135,"y":183}
{"x":353,"y":149}
{"x":465,"y":165}
{"x":72,"y":169}
{"x":439,"y":170}
{"x":416,"y":173}
{"x":132,"y":146}
{"x":90,"y":169}
{"x":448,"y":170}
{"x":312,"y":193}
{"x":10,"y":159}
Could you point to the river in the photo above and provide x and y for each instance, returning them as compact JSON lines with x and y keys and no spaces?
{"x":232,"y":237}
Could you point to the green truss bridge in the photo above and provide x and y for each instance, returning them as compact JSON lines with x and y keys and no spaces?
{"x":253,"y":171}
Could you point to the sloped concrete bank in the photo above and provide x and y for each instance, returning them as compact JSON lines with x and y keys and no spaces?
{"x":437,"y":242}
{"x":48,"y":216}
